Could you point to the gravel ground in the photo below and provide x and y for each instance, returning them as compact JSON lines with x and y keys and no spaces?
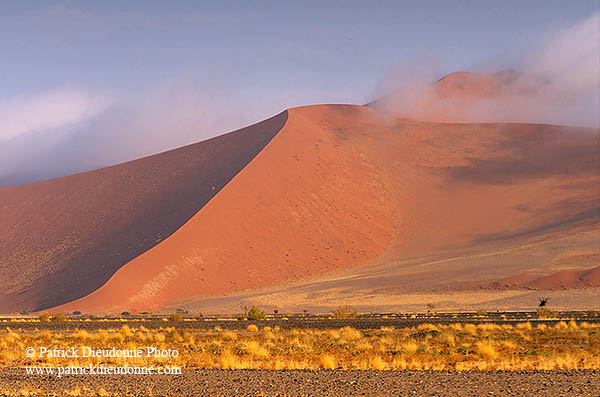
{"x":320,"y":383}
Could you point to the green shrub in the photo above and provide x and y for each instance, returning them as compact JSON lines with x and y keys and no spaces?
{"x":255,"y":314}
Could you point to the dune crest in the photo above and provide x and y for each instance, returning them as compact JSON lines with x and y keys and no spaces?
{"x":63,"y":238}
{"x":309,"y":203}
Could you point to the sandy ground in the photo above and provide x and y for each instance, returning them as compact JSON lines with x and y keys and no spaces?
{"x":371,"y":301}
{"x":322,"y":383}
{"x":459,"y":282}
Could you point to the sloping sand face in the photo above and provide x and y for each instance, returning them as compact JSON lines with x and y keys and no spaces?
{"x":63,"y":238}
{"x":328,"y":198}
{"x":419,"y":206}
{"x":308,"y":204}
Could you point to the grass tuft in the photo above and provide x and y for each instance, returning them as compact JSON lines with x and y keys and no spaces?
{"x":343,"y":312}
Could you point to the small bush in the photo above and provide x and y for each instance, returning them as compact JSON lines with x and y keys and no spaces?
{"x":252,"y":328}
{"x":255,"y":314}
{"x":561,"y":325}
{"x":327,"y":361}
{"x":526,"y":325}
{"x":175,"y":317}
{"x":543,"y":313}
{"x":44,"y":317}
{"x":424,"y":334}
{"x":486,"y":350}
{"x":377,"y":363}
{"x":470,"y":329}
{"x":59,"y":318}
{"x":345,"y":311}
{"x":410,"y":347}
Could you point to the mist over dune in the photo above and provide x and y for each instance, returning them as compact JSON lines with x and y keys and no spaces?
{"x":170,"y":115}
{"x":72,"y":128}
{"x":558,"y":83}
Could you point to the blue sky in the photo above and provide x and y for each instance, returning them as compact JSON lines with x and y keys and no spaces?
{"x":73,"y":69}
{"x":342,"y":47}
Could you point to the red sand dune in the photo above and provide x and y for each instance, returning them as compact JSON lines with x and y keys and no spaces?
{"x":466,"y":97}
{"x":469,"y":85}
{"x":341,"y":186}
{"x":63,"y":238}
{"x":310,"y":191}
{"x":307,"y":204}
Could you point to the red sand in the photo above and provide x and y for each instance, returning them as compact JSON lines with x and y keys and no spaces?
{"x":567,"y":280}
{"x":63,"y":238}
{"x":341,"y":186}
{"x":307,"y":204}
{"x":337,"y":187}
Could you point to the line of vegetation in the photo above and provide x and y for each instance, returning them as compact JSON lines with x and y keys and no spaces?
{"x":488,"y":346}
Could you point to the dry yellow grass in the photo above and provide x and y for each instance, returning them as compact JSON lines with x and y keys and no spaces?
{"x":436,"y":347}
{"x":327,"y":361}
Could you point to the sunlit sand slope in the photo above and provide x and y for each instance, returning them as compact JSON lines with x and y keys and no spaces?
{"x":63,"y":238}
{"x":308,"y":204}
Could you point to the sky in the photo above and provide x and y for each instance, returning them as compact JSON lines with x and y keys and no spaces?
{"x":84,"y":84}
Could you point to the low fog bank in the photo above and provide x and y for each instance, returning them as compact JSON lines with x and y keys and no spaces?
{"x":171,"y":115}
{"x":557,"y":83}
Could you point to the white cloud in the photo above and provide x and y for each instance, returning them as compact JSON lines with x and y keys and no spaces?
{"x":47,"y":110}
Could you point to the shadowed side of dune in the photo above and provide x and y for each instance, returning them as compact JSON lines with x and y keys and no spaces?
{"x":308,"y":204}
{"x":63,"y":238}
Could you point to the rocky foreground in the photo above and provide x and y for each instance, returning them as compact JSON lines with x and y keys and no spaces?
{"x":313,"y":383}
